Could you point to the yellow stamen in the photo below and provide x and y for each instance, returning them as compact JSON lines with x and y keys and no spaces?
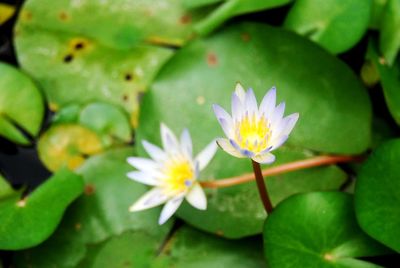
{"x":179,"y":175}
{"x":253,"y":133}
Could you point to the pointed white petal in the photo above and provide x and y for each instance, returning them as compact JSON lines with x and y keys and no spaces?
{"x":169,"y":209}
{"x":266,"y":158}
{"x":227,"y":147}
{"x":278,"y":142}
{"x":292,"y":120}
{"x":152,"y":198}
{"x":169,"y":140}
{"x":268,"y":102}
{"x":239,"y":91}
{"x":277,"y":114}
{"x":142,"y":177}
{"x":142,"y":163}
{"x":237,"y":108}
{"x":224,"y":119}
{"x":154,"y":151}
{"x":251,"y":102}
{"x":196,"y":197}
{"x":186,"y":142}
{"x":204,"y":157}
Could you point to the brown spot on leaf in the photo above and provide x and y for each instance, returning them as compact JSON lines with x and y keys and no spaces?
{"x":125,"y":97}
{"x":89,"y":189}
{"x":328,"y":257}
{"x":245,"y":37}
{"x":68,"y":58}
{"x":128,"y":77}
{"x":212,"y":59}
{"x":78,"y":226}
{"x":219,"y":233}
{"x":27,"y":15}
{"x":79,"y":45}
{"x":185,"y":19}
{"x":63,"y":16}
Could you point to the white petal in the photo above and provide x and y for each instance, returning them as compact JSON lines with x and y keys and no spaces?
{"x":266,"y":158}
{"x":154,"y":151}
{"x":204,"y":157}
{"x":277,"y":114}
{"x":142,"y":163}
{"x":152,"y":198}
{"x":169,"y":209}
{"x":196,"y":197}
{"x":224,"y":119}
{"x":169,"y":140}
{"x":227,"y":147}
{"x":268,"y":102}
{"x":251,"y":102}
{"x":239,"y":90}
{"x":278,"y":142}
{"x":292,"y":122}
{"x":237,"y":108}
{"x":142,"y":177}
{"x":186,"y":143}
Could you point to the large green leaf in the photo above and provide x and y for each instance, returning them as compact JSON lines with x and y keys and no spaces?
{"x":29,"y":221}
{"x":390,"y":31}
{"x":335,"y":114}
{"x":317,"y":230}
{"x":377,"y":195}
{"x":21,"y":105}
{"x":99,"y":214}
{"x":190,"y":248}
{"x":335,"y":25}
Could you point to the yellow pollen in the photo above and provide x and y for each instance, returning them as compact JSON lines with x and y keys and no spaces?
{"x":179,"y":175}
{"x":253,"y":133}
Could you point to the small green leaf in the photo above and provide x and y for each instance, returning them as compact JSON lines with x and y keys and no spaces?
{"x":317,"y":230}
{"x":67,"y":115}
{"x":108,"y":121}
{"x":231,"y":8}
{"x":390,"y":31}
{"x":29,"y":221}
{"x":389,"y":76}
{"x":21,"y":105}
{"x":335,"y":25}
{"x":377,"y":195}
{"x":67,"y":145}
{"x":189,"y":247}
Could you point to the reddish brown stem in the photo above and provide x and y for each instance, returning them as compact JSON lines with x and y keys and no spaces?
{"x":262,"y":189}
{"x":284,"y":168}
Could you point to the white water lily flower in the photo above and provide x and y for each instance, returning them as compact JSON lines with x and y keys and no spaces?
{"x":173,"y":171}
{"x":254,"y":131}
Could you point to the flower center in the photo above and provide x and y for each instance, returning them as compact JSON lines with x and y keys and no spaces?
{"x":179,"y":176}
{"x":252,"y":133}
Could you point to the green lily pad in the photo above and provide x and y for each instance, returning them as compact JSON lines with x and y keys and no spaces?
{"x":377,"y":196}
{"x":98,"y":215}
{"x":108,"y":121}
{"x":328,"y":121}
{"x":67,"y":115}
{"x":335,"y":25}
{"x":389,"y":76}
{"x":377,"y":12}
{"x":317,"y":230}
{"x":229,"y":9}
{"x":189,"y":247}
{"x":390,"y":31}
{"x":29,"y":221}
{"x":21,"y":105}
{"x":67,"y":145}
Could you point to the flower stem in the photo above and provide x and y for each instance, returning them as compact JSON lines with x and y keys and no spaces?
{"x":262,"y":189}
{"x":284,"y":168}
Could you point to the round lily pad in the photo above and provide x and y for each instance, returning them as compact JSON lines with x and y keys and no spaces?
{"x":21,"y":106}
{"x":317,"y":230}
{"x":29,"y":221}
{"x":67,"y":145}
{"x":377,"y":195}
{"x":335,"y":25}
